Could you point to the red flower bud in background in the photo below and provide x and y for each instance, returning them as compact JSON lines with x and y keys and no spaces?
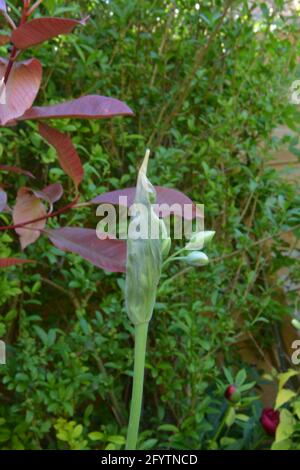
{"x":232,"y":394}
{"x":269,"y":420}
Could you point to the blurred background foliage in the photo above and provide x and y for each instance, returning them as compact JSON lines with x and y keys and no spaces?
{"x":209,"y":83}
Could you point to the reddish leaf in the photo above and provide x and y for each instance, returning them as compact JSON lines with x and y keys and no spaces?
{"x":21,"y":89}
{"x":28,"y":207}
{"x":86,"y":107}
{"x":106,"y":254}
{"x":7,"y":262}
{"x":166,"y":197}
{"x":3,"y":200}
{"x":4,"y":39}
{"x":3,"y":5}
{"x":54,"y":192}
{"x":15,"y":169}
{"x":41,"y":29}
{"x":67,"y":154}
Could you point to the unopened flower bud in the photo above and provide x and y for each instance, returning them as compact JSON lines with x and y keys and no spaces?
{"x":144,"y":253}
{"x":196,"y":258}
{"x":199,"y":240}
{"x":270,"y":420}
{"x":165,"y":239}
{"x":232,"y":394}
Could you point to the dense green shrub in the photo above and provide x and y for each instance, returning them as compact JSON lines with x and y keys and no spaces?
{"x":208,"y":87}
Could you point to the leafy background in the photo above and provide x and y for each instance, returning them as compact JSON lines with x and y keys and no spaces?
{"x":208,"y":86}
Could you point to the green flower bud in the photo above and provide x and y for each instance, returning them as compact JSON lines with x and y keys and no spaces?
{"x":144,"y":252}
{"x":196,"y":258}
{"x":199,"y":240}
{"x":166,"y":241}
{"x":296,"y":323}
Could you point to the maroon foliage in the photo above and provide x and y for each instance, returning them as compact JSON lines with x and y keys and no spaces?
{"x":2,"y":5}
{"x":21,"y":89}
{"x":7,"y":262}
{"x":15,"y":169}
{"x":28,"y":207}
{"x":106,"y":254}
{"x":3,"y":200}
{"x":86,"y":107}
{"x":41,"y":29}
{"x":166,"y":198}
{"x":67,"y":154}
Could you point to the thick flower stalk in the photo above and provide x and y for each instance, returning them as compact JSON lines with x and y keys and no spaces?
{"x":147,"y":239}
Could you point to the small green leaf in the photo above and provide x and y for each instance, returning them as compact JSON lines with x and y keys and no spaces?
{"x":283,"y":378}
{"x":96,"y":436}
{"x":283,"y":397}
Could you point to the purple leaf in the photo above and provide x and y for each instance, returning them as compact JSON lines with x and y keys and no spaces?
{"x":54,"y":192}
{"x":166,"y":197}
{"x":3,"y":5}
{"x":15,"y":169}
{"x":109,"y":255}
{"x":67,"y":154}
{"x":28,"y":207}
{"x":3,"y":200}
{"x":50,"y":194}
{"x":36,"y":31}
{"x":86,"y":107}
{"x":7,"y":262}
{"x":21,"y":89}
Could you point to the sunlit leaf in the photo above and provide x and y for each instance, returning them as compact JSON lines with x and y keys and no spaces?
{"x":28,"y":207}
{"x":21,"y":89}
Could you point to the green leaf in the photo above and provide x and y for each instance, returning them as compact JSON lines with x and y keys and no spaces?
{"x":41,"y":334}
{"x":77,"y":431}
{"x":119,"y":440}
{"x":240,"y":378}
{"x":283,"y":397}
{"x":282,"y":445}
{"x":283,"y":378}
{"x":286,"y":426}
{"x":96,"y":436}
{"x":230,"y":418}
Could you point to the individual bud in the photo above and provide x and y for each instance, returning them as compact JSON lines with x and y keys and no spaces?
{"x":296,"y":323}
{"x":232,"y":394}
{"x":166,"y":246}
{"x":166,"y":241}
{"x":196,"y":258}
{"x":199,"y":240}
{"x":270,"y":420}
{"x":144,"y":252}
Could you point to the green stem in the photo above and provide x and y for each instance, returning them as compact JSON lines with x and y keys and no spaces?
{"x":141,"y":332}
{"x":221,"y":426}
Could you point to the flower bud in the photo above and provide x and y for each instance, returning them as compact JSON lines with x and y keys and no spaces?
{"x":270,"y":420}
{"x":199,"y":240}
{"x":165,"y":239}
{"x":196,"y":258}
{"x":232,"y":394}
{"x":296,"y":323}
{"x":144,"y":252}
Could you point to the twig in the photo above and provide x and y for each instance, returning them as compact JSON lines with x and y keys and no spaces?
{"x":69,"y":294}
